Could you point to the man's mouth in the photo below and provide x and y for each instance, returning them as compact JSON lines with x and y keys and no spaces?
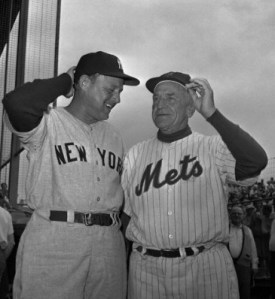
{"x":161,"y":114}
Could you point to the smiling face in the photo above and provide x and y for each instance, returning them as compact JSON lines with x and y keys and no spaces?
{"x":172,"y":106}
{"x":99,"y":95}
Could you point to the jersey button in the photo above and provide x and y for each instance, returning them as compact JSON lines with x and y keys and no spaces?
{"x":98,"y":198}
{"x":170,"y":213}
{"x":171,"y":236}
{"x":96,"y":162}
{"x":98,"y":179}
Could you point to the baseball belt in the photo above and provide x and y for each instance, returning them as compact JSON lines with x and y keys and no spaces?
{"x":88,"y":219}
{"x":189,"y":251}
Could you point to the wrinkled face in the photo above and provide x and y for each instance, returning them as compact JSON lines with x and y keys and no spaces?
{"x":101,"y":94}
{"x":172,"y":106}
{"x":236,"y":215}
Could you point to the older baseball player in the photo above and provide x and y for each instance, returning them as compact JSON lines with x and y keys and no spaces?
{"x":176,"y":195}
{"x":72,"y":246}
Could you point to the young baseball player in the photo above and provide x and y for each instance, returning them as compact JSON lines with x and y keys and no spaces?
{"x":72,"y":246}
{"x":176,"y":195}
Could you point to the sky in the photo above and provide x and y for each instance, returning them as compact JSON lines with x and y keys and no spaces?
{"x":230,"y":43}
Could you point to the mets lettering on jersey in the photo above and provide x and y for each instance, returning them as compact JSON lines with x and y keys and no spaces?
{"x":171,"y":177}
{"x":176,"y":192}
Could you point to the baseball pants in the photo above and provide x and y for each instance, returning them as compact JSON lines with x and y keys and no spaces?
{"x":208,"y":275}
{"x":58,"y":260}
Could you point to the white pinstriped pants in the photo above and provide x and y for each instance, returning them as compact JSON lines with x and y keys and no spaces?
{"x":57,"y":260}
{"x":209,"y":275}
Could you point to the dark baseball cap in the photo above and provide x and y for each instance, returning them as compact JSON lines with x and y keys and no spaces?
{"x":171,"y":76}
{"x":104,"y":64}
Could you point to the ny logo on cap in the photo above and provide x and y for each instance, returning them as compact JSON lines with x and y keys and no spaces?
{"x":119,"y":64}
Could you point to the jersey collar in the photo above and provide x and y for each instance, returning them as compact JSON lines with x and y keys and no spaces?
{"x":168,"y":138}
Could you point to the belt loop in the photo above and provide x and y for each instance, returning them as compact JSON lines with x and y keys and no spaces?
{"x":182,"y":253}
{"x":114,"y":221}
{"x":195,"y":250}
{"x":115,"y":218}
{"x":143,"y":250}
{"x":70,"y":216}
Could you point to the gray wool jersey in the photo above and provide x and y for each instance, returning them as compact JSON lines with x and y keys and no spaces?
{"x":72,"y":165}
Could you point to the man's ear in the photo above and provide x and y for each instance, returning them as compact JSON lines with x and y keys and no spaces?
{"x":190,"y":110}
{"x":83,"y":81}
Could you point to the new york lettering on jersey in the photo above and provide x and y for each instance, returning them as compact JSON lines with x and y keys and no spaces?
{"x":69,"y":152}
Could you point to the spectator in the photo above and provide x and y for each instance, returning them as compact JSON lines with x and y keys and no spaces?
{"x":4,"y":195}
{"x":249,"y":212}
{"x":243,"y":251}
{"x":6,"y":246}
{"x":266,"y":228}
{"x":260,"y":226}
{"x":272,"y":259}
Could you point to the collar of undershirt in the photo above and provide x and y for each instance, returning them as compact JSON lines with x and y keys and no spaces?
{"x":168,"y":138}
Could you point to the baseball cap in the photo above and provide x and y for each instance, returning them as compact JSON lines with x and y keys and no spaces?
{"x":171,"y":76}
{"x":104,"y":64}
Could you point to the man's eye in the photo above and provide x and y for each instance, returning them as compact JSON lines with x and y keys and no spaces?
{"x":109,"y":91}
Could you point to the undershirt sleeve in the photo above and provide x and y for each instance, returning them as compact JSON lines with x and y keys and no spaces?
{"x":26,"y":104}
{"x":250,"y":157}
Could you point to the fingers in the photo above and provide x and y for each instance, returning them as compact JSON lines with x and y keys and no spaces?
{"x":71,"y":69}
{"x":202,"y":95}
{"x":70,"y":72}
{"x":200,"y":85}
{"x":200,"y":81}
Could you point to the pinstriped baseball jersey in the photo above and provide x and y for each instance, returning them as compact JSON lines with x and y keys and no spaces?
{"x":175,"y":193}
{"x":72,"y":165}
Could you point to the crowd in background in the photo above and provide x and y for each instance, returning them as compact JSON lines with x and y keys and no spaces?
{"x":258,"y":202}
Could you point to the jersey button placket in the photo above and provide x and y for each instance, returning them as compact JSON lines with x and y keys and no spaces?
{"x":96,"y":179}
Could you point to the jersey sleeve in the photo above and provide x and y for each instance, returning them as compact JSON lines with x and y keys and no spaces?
{"x":226,"y":164}
{"x":250,"y":157}
{"x":33,"y":139}
{"x":26,"y":104}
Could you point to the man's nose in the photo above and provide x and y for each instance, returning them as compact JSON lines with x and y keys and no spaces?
{"x":116,"y":98}
{"x":161,"y":102}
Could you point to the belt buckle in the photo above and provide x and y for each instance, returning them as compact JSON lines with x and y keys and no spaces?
{"x":88,"y":219}
{"x":162,"y":252}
